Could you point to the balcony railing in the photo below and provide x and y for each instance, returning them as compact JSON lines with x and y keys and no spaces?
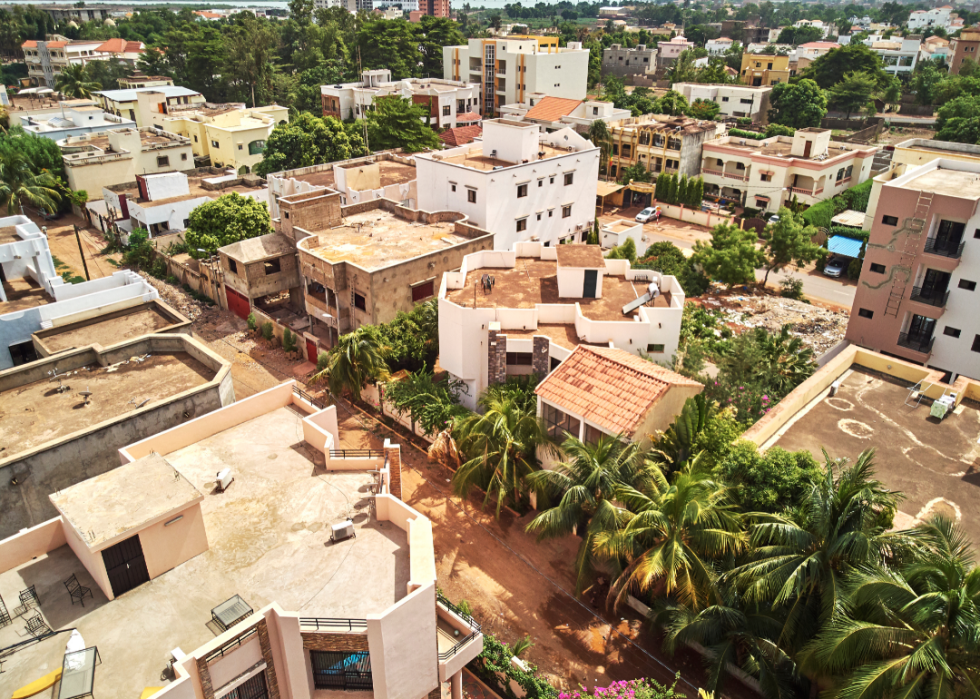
{"x":733,"y":176}
{"x":918,"y":343}
{"x":357,"y":453}
{"x":323,"y":624}
{"x":712,"y":172}
{"x":930,"y":296}
{"x":801,"y":190}
{"x":943,"y":248}
{"x":475,"y":628}
{"x":818,"y":191}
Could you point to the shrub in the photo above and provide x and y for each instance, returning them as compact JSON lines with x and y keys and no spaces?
{"x":288,"y":340}
{"x":267,"y":331}
{"x":792,"y":288}
{"x":496,"y":658}
{"x":749,"y":212}
{"x":770,"y":482}
{"x":159,"y":269}
{"x":779,"y":130}
{"x":250,"y":321}
{"x":744,"y":121}
{"x":854,"y":269}
{"x":738,"y":133}
{"x":849,"y":232}
{"x":322,"y":361}
{"x":820,"y":214}
{"x":628,"y":689}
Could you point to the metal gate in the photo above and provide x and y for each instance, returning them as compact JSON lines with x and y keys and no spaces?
{"x":341,"y":670}
{"x":237,"y":303}
{"x":125,"y":566}
{"x":252,"y":688}
{"x":311,"y":353}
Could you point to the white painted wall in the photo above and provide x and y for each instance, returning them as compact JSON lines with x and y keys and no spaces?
{"x":166,"y":185}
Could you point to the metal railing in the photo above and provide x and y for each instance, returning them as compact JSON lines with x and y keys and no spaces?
{"x":356,"y":453}
{"x":931,"y":297}
{"x":475,"y":627}
{"x":934,"y":246}
{"x":918,"y":343}
{"x":325,"y":624}
{"x":457,"y":645}
{"x":801,"y":190}
{"x":231,"y":645}
{"x":316,"y":403}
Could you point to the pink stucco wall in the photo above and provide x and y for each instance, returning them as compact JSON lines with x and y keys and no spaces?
{"x":30,"y":543}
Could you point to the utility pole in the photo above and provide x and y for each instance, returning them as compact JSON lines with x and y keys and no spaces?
{"x":81,"y":252}
{"x":360,"y":69}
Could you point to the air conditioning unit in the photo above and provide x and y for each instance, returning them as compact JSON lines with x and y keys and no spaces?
{"x":342,"y":531}
{"x":225,"y":478}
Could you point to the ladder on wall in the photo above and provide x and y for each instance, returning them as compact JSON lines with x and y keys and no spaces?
{"x":913,"y":233}
{"x":4,"y":614}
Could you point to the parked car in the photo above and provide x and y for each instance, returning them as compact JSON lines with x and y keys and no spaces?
{"x":647,"y":214}
{"x":774,"y":218}
{"x":836,"y":266}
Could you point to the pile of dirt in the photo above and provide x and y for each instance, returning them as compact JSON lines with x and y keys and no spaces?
{"x":181,"y":301}
{"x":819,"y":328}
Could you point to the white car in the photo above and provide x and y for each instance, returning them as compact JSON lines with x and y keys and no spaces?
{"x":836,"y":266}
{"x":774,"y":218}
{"x":647,"y":214}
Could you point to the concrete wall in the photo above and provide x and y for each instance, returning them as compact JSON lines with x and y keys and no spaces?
{"x":166,"y":547}
{"x":92,"y":561}
{"x":31,"y":543}
{"x":404,"y":648}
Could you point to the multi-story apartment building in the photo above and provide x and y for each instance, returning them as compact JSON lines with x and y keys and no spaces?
{"x":554,"y":113}
{"x":962,"y":47}
{"x":524,"y":311}
{"x":766,"y":174}
{"x":450,"y":103}
{"x":763,"y":69}
{"x":98,"y":160}
{"x":716,"y":47}
{"x":125,"y":103}
{"x":625,"y":62}
{"x":517,"y":183}
{"x":734,"y":100}
{"x":46,"y":59}
{"x":917,"y":294}
{"x":509,"y":69}
{"x":899,"y":56}
{"x":77,"y":117}
{"x":936,"y":17}
{"x":670,"y":51}
{"x":362,"y":264}
{"x":660,"y":143}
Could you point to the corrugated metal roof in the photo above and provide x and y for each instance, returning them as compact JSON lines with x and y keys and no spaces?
{"x":840,"y":245}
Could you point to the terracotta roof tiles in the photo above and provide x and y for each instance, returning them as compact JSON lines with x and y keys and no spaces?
{"x":609,"y":387}
{"x":461,"y":135}
{"x":552,"y":108}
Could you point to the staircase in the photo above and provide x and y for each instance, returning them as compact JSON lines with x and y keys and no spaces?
{"x":913,"y":233}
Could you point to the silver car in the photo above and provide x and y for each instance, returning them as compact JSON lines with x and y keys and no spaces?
{"x":646,"y":215}
{"x":836,"y":266}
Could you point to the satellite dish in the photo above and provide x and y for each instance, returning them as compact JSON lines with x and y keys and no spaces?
{"x":87,"y":395}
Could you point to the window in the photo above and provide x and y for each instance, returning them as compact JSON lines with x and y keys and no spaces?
{"x":255,"y":147}
{"x":595,"y":111}
{"x":765,"y":176}
{"x":452,"y":186}
{"x":769,"y":66}
{"x":952,"y":332}
{"x":240,"y":147}
{"x":551,"y":180}
{"x":655,"y":349}
{"x":359,"y":302}
{"x":286,"y":214}
{"x":724,"y":99}
{"x":976,"y":233}
{"x":566,"y":211}
{"x":539,"y":216}
{"x":550,"y":212}
{"x":521,"y":191}
{"x":446,"y":110}
{"x":840,"y":174}
{"x":865,"y":313}
{"x":967,"y":284}
{"x":214,"y":144}
{"x":272,"y":267}
{"x":232,"y":266}
{"x":890,"y":220}
{"x":593,"y":434}
{"x":519,"y":358}
{"x":521,"y":224}
{"x":976,"y":344}
{"x":558,"y":423}
{"x":541,"y":183}
{"x":877,"y":268}
{"x":569,"y":178}
{"x":163,"y":161}
{"x":719,"y":161}
{"x":471,"y":196}
{"x":195,"y":139}
{"x":746,"y":101}
{"x":422,"y":291}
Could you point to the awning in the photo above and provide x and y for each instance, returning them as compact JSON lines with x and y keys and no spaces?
{"x":604,"y":189}
{"x":841,"y":245}
{"x":852,"y":218}
{"x":761,"y":196}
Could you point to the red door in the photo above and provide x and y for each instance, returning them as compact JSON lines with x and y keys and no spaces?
{"x":311,"y":350}
{"x":237,"y":303}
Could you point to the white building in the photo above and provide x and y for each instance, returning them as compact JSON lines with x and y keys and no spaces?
{"x":165,"y":204}
{"x":716,"y":47}
{"x":814,"y":49}
{"x":510,"y":69}
{"x":899,"y":56}
{"x":77,"y":117}
{"x":819,"y":24}
{"x":936,"y":17}
{"x":524,"y":311}
{"x":47,"y":59}
{"x":734,"y":100}
{"x":451,"y":103}
{"x":518,"y":183}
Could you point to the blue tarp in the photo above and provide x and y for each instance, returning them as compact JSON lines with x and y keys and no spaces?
{"x":841,"y":245}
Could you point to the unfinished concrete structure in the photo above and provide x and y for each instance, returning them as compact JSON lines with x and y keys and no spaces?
{"x":659,"y":143}
{"x":364,"y":263}
{"x":365,"y":613}
{"x":263,"y":273}
{"x":64,"y":416}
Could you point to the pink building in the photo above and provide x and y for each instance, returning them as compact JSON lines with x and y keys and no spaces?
{"x":670,"y":50}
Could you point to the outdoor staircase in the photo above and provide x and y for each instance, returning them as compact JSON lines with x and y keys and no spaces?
{"x":913,"y":234}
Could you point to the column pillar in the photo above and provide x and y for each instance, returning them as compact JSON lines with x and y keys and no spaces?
{"x":456,"y":686}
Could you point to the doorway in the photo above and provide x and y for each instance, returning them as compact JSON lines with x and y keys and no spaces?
{"x":589,"y":285}
{"x":125,"y":565}
{"x":238,"y":303}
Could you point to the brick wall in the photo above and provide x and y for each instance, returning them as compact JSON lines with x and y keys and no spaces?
{"x":496,"y":357}
{"x":540,"y":356}
{"x":346,"y":642}
{"x":205,"y":675}
{"x":311,"y":211}
{"x":270,"y":670}
{"x":395,"y":467}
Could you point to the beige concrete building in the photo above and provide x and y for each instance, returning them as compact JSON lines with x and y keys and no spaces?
{"x":263,"y":274}
{"x":660,"y":143}
{"x":116,"y":156}
{"x":124,"y":103}
{"x":137,"y":79}
{"x":188,"y":593}
{"x":762,"y":69}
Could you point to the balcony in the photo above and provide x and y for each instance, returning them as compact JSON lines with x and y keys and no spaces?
{"x":943,"y":248}
{"x":917,"y":343}
{"x":800,"y":190}
{"x":459,"y":637}
{"x":706,"y":171}
{"x":930,"y":297}
{"x":736,"y":176}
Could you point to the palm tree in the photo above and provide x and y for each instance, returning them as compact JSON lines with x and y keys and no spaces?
{"x":908,"y":632}
{"x":73,"y":81}
{"x":585,"y":484}
{"x":677,"y":443}
{"x":672,"y":536}
{"x":599,"y":135}
{"x":19,"y":184}
{"x":500,"y":448}
{"x":787,"y":362}
{"x":357,"y":358}
{"x":800,"y":563}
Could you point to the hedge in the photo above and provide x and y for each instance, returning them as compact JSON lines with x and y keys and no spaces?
{"x":738,"y":133}
{"x":849,"y":232}
{"x":855,"y":198}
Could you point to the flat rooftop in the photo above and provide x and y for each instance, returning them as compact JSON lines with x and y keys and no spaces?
{"x":475,"y":159}
{"x":109,"y":329}
{"x":195,"y":190}
{"x":376,"y":239}
{"x":268,"y":536}
{"x":533,"y":281}
{"x":562,"y":334}
{"x":391,"y":173}
{"x":101,"y":140}
{"x":778,"y":148}
{"x":22,"y":294}
{"x":953,"y":183}
{"x":8,"y":234}
{"x":36,"y":413}
{"x":935,"y":464}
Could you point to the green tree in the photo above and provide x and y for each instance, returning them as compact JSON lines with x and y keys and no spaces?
{"x":309,"y":140}
{"x":829,"y":69}
{"x":788,"y":241}
{"x":703,"y":109}
{"x":672,"y":103}
{"x":584,"y":485}
{"x":391,"y":44}
{"x":852,"y":93}
{"x":785,"y":362}
{"x":226,"y":220}
{"x":681,"y":196}
{"x":773,"y":482}
{"x":397,"y":123}
{"x":433,"y":33}
{"x":635,"y":172}
{"x":925,"y":82}
{"x":357,"y":359}
{"x":599,"y":135}
{"x":959,"y":120}
{"x":73,"y":81}
{"x":732,"y":256}
{"x":21,"y":183}
{"x":799,"y":105}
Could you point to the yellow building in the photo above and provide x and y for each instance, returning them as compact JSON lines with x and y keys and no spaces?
{"x":137,"y":80}
{"x":229,"y":134}
{"x":763,"y":69}
{"x":124,"y":102}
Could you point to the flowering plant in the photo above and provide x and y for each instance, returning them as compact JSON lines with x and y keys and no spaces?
{"x":626,"y":689}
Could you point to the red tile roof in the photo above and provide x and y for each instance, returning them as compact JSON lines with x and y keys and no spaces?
{"x":468,"y":116}
{"x":120,"y":46}
{"x":31,"y":44}
{"x":57,"y":44}
{"x":552,"y":108}
{"x":461,"y":135}
{"x":611,"y":388}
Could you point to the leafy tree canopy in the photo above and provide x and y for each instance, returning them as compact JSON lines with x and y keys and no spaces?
{"x":799,"y":105}
{"x":397,"y":123}
{"x":310,"y":140}
{"x":226,"y":220}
